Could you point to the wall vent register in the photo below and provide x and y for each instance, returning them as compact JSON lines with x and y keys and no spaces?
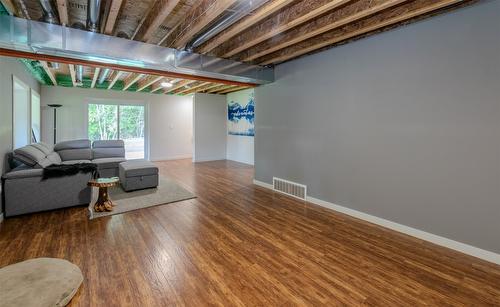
{"x":290,"y":188}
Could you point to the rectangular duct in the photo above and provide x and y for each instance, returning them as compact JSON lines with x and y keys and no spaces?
{"x":54,"y":40}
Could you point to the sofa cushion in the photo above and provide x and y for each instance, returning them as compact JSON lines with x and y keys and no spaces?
{"x":104,"y":163}
{"x":74,"y":150}
{"x":29,"y":155}
{"x":74,"y":144}
{"x":133,"y":168}
{"x":75,"y":154}
{"x":54,"y":158}
{"x":108,"y":149}
{"x":108,"y":144}
{"x":43,"y":147}
{"x":69,"y":162}
{"x":23,"y":172}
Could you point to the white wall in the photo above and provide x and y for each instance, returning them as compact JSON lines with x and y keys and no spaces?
{"x":8,"y":68}
{"x":239,"y":148}
{"x":209,"y":126}
{"x":170,"y":118}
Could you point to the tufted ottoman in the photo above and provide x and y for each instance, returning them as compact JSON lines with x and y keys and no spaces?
{"x":138,"y":175}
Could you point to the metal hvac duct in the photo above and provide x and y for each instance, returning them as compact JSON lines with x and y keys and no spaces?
{"x":229,"y":17}
{"x":93,"y":15}
{"x":49,"y":13}
{"x":39,"y":38}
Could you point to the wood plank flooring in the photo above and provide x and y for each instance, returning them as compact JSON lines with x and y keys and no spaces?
{"x":241,"y":245}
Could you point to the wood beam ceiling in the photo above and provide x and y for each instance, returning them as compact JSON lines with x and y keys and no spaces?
{"x":155,"y":18}
{"x":116,"y":77}
{"x":62,"y":10}
{"x":386,"y":18}
{"x":203,"y":88}
{"x":233,"y":89}
{"x":220,"y":88}
{"x":147,"y":82}
{"x":347,"y":14}
{"x":261,"y":13}
{"x":131,"y":79}
{"x":97,"y":70}
{"x":178,"y":85}
{"x":114,"y":11}
{"x":193,"y":88}
{"x":10,"y":7}
{"x":195,"y":20}
{"x":45,"y":67}
{"x":72,"y":73}
{"x":291,"y":17}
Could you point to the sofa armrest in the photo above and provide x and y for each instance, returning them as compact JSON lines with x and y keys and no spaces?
{"x":25,"y":173}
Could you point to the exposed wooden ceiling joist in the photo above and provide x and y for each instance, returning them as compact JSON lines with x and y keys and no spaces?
{"x":114,"y":11}
{"x":154,"y":19}
{"x":116,"y":77}
{"x":261,"y":13}
{"x":193,"y":88}
{"x":233,"y":89}
{"x":178,"y":85}
{"x":71,"y":68}
{"x":147,"y":82}
{"x":376,"y":22}
{"x":131,"y":79}
{"x":195,"y":20}
{"x":334,"y":20}
{"x":156,"y":86}
{"x":97,"y":70}
{"x":62,"y":9}
{"x":45,"y":67}
{"x":205,"y":88}
{"x":220,"y":88}
{"x":291,"y":17}
{"x":10,"y":7}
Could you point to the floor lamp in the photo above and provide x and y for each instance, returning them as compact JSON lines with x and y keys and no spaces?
{"x":55,"y":106}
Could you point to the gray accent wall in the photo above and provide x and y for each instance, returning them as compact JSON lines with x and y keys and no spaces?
{"x":404,"y":125}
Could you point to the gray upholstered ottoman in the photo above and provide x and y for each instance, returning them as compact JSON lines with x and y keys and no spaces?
{"x":138,"y":175}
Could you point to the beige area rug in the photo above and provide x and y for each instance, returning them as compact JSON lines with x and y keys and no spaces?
{"x":167,"y":192}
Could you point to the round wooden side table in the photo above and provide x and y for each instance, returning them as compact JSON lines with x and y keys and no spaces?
{"x":103,"y":202}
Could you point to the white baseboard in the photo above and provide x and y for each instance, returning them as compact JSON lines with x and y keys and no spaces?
{"x":442,"y":241}
{"x":157,"y":159}
{"x":209,"y":159}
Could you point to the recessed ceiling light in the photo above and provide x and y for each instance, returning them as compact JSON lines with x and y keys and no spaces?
{"x":166,"y":84}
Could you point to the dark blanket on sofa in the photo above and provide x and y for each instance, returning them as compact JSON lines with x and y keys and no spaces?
{"x":59,"y":170}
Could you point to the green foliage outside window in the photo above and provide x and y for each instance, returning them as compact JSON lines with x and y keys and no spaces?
{"x":103,"y":122}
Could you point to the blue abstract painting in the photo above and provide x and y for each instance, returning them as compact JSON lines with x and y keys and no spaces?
{"x":240,"y":114}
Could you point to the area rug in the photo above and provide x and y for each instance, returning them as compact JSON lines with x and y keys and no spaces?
{"x":167,"y":192}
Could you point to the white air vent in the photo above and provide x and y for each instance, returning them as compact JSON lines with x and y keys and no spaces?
{"x":294,"y":189}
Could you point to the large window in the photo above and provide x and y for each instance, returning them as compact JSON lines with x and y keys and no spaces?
{"x":115,"y":121}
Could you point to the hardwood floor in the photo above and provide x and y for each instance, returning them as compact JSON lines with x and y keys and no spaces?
{"x":241,"y":245}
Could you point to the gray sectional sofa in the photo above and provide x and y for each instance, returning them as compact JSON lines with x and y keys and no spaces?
{"x":25,"y":190}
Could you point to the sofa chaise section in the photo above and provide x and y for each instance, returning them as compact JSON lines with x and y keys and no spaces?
{"x":108,"y":154}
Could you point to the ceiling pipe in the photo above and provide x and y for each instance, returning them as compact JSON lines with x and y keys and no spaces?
{"x":240,"y":10}
{"x":93,"y":15}
{"x":79,"y":74}
{"x":49,"y":13}
{"x":104,"y":75}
